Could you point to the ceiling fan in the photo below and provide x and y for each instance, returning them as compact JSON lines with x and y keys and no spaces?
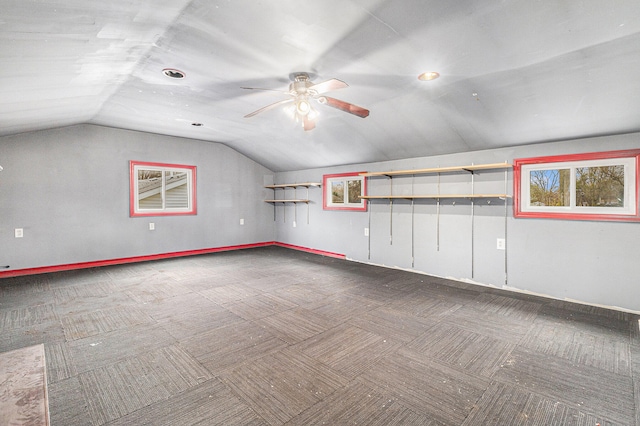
{"x":302,"y":90}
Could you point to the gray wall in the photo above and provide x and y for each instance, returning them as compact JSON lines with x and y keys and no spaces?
{"x":68,"y":189}
{"x":587,"y":261}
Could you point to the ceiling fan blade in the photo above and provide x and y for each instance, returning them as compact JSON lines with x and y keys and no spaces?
{"x":344,"y":106}
{"x":268,"y":107}
{"x":308,"y":123}
{"x":328,"y":86}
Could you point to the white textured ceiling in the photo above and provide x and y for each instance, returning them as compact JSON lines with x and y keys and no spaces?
{"x":512,"y":72}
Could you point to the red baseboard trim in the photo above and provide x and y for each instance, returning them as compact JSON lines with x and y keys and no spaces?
{"x":160,"y":256}
{"x":310,"y":250}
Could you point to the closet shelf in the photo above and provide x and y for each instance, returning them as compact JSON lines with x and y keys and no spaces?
{"x":469,"y":168}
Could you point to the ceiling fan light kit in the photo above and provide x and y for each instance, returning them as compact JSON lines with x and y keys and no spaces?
{"x":428,"y":76}
{"x":302,"y":90}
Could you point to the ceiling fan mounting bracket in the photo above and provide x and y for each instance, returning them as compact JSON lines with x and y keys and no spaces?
{"x":309,"y":75}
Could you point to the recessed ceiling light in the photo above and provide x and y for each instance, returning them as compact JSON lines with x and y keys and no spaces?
{"x":427,"y":76}
{"x":197,"y":124}
{"x":173,"y":73}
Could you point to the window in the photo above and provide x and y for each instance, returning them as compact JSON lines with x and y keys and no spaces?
{"x":343,"y":192}
{"x":162,"y":189}
{"x":593,"y":186}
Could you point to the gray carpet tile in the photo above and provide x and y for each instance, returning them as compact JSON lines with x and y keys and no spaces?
{"x":209,"y":403}
{"x":230,"y":293}
{"x":155,"y":291}
{"x":283,"y":384}
{"x":228,"y":346}
{"x":609,"y":326}
{"x":607,"y":352}
{"x":508,"y":405}
{"x":126,"y":386}
{"x":81,"y":305}
{"x":610,"y":395}
{"x":348,"y":349}
{"x":296,"y":325}
{"x":104,"y":349}
{"x":45,"y":332}
{"x":82,"y":291}
{"x":378,"y":292}
{"x":423,"y":305}
{"x":177,"y":271}
{"x":83,"y":325}
{"x":85,"y":277}
{"x":393,"y":323}
{"x":510,"y":330}
{"x":19,"y":292}
{"x":164,"y":309}
{"x":460,"y":349}
{"x":358,"y":404}
{"x":129,"y":272}
{"x":260,"y":306}
{"x":343,"y":307}
{"x":27,"y":316}
{"x":215,"y":279}
{"x":60,"y":363}
{"x":592,"y":310}
{"x":303,"y":294}
{"x":427,"y":387}
{"x":189,"y":324}
{"x":506,"y":306}
{"x":68,"y":405}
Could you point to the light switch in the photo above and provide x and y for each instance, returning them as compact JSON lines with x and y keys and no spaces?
{"x":241,"y":221}
{"x":152,"y":226}
{"x":366,"y":232}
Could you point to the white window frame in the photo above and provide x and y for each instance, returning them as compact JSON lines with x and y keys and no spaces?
{"x":344,"y":178}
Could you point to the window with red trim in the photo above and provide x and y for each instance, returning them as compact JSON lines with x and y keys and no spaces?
{"x":590,"y":186}
{"x":158,"y":189}
{"x":343,"y":192}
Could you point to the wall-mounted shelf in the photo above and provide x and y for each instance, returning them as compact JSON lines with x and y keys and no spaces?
{"x":294,"y":200}
{"x":433,"y":170}
{"x":412,"y":173}
{"x":293,"y":185}
{"x":286,"y":201}
{"x":433,"y":196}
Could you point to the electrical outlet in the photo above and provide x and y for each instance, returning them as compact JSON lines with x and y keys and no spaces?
{"x":501,"y":244}
{"x":19,"y":233}
{"x":152,"y":226}
{"x":366,"y":232}
{"x":294,"y":224}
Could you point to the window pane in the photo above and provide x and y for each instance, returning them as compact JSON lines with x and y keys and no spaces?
{"x":149,"y":189}
{"x":355,"y":190}
{"x":337,"y":192}
{"x":601,"y":186}
{"x":177,"y":194}
{"x":550,"y":187}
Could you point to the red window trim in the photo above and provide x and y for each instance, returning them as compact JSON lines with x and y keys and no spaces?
{"x":518,"y":163}
{"x":132,"y":189}
{"x":325,"y":188}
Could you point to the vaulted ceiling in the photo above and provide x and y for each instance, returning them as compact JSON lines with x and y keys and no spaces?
{"x":511,"y":72}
